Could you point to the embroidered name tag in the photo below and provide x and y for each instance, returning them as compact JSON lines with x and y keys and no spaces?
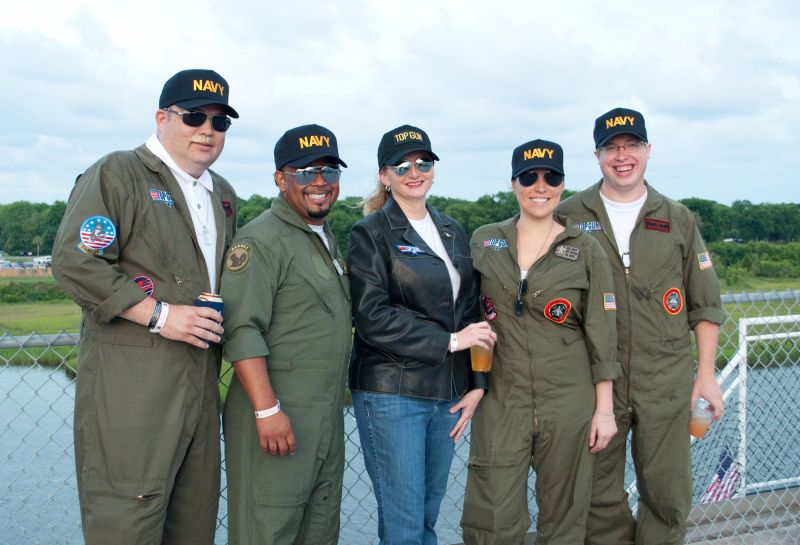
{"x":496,"y":243}
{"x":655,"y":224}
{"x":411,"y":250}
{"x":567,"y":252}
{"x":590,"y":226}
{"x":161,"y":196}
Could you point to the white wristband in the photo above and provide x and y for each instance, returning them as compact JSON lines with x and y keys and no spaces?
{"x":453,"y":342}
{"x":266,"y":413}
{"x":162,"y":318}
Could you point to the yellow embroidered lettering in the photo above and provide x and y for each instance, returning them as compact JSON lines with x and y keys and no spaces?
{"x":303,"y":141}
{"x":326,"y":140}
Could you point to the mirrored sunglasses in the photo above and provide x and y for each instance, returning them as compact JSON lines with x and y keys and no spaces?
{"x":553,"y":179}
{"x":195,"y":118}
{"x":422,"y":165}
{"x":305,"y":176}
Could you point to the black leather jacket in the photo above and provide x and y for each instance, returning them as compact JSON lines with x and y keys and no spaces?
{"x":403,"y":307}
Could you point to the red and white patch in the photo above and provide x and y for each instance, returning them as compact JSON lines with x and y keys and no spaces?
{"x":488,"y":308}
{"x":557,"y":310}
{"x":673,"y":301}
{"x":146,"y":283}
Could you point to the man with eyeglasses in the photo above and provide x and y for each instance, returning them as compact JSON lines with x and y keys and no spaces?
{"x":142,"y":236}
{"x":665,"y":286}
{"x":288,"y":333}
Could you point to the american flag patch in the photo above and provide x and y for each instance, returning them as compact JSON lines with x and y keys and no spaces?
{"x":705,"y":261}
{"x":157,"y":195}
{"x":609,"y":301}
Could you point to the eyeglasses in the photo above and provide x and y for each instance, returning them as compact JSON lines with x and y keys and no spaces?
{"x":196,"y":118}
{"x":629,"y":148}
{"x":305,"y":176}
{"x":553,"y":179}
{"x":519,"y":304}
{"x":421,"y":164}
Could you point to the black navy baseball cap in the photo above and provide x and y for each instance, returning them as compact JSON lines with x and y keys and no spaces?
{"x":401,"y":141}
{"x":618,"y":121}
{"x":537,"y":154}
{"x":194,"y":88}
{"x":303,"y":145}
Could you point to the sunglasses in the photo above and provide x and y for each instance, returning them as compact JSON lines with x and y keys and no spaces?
{"x":422,"y":165}
{"x":553,"y":179}
{"x":519,"y":304}
{"x":196,"y":118}
{"x":305,"y":176}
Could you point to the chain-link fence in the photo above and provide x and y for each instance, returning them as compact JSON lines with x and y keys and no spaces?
{"x":746,"y":468}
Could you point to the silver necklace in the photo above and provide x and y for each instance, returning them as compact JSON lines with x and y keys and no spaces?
{"x":205,"y":234}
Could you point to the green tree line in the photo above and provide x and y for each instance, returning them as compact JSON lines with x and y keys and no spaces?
{"x":31,"y":227}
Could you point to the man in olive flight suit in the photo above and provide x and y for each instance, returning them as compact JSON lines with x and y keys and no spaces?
{"x":666,"y":286}
{"x":143,"y":235}
{"x":288,"y":333}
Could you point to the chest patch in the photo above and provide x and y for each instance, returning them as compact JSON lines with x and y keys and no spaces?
{"x":496,"y":243}
{"x":146,"y":283}
{"x":673,"y":301}
{"x":590,"y":226}
{"x":96,"y":234}
{"x":655,"y":224}
{"x":157,"y":195}
{"x":409,"y":250}
{"x":488,"y":308}
{"x":557,"y":310}
{"x":609,"y":301}
{"x":567,"y":252}
{"x":238,"y":257}
{"x":226,"y":206}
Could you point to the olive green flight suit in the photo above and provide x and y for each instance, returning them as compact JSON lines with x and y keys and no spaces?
{"x":146,"y":408}
{"x":287,"y":298}
{"x":669,"y":287}
{"x":540,"y":406}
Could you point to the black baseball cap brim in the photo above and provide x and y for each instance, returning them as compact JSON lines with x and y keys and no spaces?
{"x":200,"y":102}
{"x":308,"y":159}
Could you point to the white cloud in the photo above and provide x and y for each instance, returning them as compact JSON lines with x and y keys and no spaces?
{"x":717,"y":81}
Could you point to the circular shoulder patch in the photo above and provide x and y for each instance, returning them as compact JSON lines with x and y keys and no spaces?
{"x":146,"y":283}
{"x":673,"y":302}
{"x":488,"y":308}
{"x":96,"y":233}
{"x":238,"y":257}
{"x":557,"y":310}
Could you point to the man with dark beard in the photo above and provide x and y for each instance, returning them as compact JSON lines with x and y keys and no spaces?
{"x":288,"y":334}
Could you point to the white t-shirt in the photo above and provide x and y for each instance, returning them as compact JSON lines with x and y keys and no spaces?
{"x":430,"y":234}
{"x":320,"y":230}
{"x":622,"y":216}
{"x":197,"y":192}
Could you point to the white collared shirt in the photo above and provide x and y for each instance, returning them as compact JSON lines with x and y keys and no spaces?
{"x":197,"y":192}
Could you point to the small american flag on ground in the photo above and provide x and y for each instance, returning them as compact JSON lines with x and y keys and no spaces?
{"x":705,"y":261}
{"x":723,"y":484}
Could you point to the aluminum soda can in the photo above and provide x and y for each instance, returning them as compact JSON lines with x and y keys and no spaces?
{"x":212,"y":300}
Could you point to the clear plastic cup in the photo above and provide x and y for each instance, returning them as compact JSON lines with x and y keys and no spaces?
{"x":700,"y":419}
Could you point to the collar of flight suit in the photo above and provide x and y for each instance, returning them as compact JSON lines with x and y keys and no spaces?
{"x":154,"y":163}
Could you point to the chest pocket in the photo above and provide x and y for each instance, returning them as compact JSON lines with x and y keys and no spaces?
{"x":321,"y":278}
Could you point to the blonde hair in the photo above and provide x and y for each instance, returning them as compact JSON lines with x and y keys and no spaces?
{"x":375,"y":200}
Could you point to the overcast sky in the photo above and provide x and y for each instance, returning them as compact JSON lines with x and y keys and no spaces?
{"x":718,"y":82}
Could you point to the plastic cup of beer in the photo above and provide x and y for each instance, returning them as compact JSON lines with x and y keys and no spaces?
{"x":700,"y":419}
{"x":481,"y":358}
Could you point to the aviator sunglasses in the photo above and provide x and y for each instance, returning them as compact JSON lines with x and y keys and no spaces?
{"x":305,"y":176}
{"x":195,"y":118}
{"x":528,"y":178}
{"x":422,"y":165}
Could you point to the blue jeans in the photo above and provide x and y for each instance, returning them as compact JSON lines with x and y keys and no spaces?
{"x":407,"y":451}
